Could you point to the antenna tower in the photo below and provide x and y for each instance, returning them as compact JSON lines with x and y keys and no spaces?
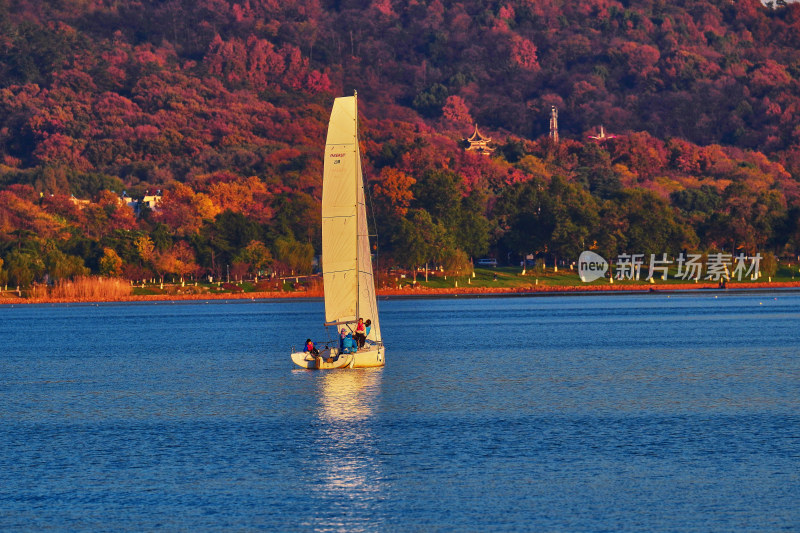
{"x":554,"y":124}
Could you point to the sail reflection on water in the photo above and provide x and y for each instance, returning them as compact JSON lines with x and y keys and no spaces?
{"x":348,"y":452}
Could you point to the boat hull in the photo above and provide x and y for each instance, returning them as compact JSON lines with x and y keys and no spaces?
{"x":364,"y":358}
{"x":369,"y":358}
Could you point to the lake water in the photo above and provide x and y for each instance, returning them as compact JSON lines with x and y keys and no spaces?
{"x":648,"y":412}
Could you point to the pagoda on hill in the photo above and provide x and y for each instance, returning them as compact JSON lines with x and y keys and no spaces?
{"x":479,"y":143}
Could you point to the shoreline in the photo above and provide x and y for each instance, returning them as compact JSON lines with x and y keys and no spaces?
{"x":421,"y":292}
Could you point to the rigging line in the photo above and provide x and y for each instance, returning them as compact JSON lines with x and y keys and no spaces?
{"x":371,"y":205}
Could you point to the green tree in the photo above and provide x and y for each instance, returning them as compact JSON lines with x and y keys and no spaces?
{"x":89,"y":184}
{"x":460,"y":219}
{"x":23,"y":268}
{"x":256,"y":255}
{"x":769,"y":265}
{"x":644,"y":223}
{"x":87,"y":249}
{"x":110,"y":263}
{"x":59,"y":265}
{"x":455,"y":262}
{"x":233,"y":232}
{"x":575,"y":219}
{"x":523,"y":214}
{"x":430,"y":101}
{"x":769,"y":214}
{"x":161,"y":237}
{"x":299,"y":215}
{"x":439,"y":192}
{"x":704,"y":200}
{"x":472,"y":233}
{"x":296,"y":257}
{"x":559,"y":219}
{"x":419,"y":240}
{"x":596,"y":172}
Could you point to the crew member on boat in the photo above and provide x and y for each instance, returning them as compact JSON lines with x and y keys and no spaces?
{"x":310,"y":348}
{"x":348,"y":343}
{"x":361,"y":333}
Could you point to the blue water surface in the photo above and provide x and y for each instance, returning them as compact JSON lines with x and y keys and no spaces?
{"x":657,"y":412}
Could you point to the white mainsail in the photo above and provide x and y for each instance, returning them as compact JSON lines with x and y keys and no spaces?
{"x":346,"y":258}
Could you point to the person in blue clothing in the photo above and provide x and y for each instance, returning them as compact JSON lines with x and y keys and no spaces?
{"x":348,"y":344}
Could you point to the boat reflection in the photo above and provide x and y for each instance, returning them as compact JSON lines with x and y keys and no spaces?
{"x":347,"y":449}
{"x":349,"y":395}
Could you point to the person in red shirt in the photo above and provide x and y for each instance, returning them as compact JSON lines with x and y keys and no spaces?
{"x":361,"y":333}
{"x":310,"y":348}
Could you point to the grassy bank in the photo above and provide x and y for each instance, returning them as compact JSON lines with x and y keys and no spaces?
{"x":501,"y":280}
{"x":515,"y":279}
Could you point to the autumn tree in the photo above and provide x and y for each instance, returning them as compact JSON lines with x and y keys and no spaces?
{"x":393,"y":191}
{"x":145,"y":248}
{"x":183,"y":210}
{"x":183,"y":262}
{"x":456,"y":112}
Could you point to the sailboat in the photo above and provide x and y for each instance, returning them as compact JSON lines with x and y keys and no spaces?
{"x":347,"y":276}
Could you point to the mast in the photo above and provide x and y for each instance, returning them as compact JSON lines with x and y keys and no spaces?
{"x":358,"y":184}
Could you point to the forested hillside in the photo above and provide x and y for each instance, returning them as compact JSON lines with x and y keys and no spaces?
{"x":222,"y":105}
